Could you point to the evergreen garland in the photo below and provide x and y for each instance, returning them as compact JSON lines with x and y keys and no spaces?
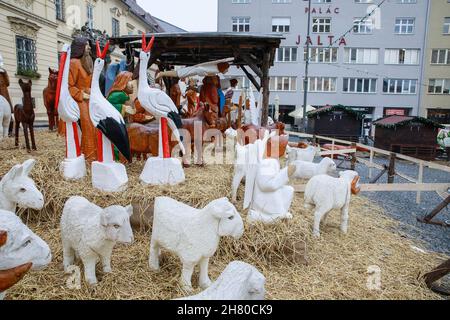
{"x":339,"y":107}
{"x":406,"y":122}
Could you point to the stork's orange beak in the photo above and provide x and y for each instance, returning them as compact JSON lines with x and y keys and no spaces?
{"x":355,"y":186}
{"x":146,"y":47}
{"x":8,"y":278}
{"x":3,"y":237}
{"x":102,"y":54}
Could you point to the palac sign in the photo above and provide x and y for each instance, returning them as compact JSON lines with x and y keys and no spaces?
{"x":322,"y":40}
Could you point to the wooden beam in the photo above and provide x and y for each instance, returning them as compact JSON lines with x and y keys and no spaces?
{"x":251,"y":78}
{"x":265,"y":88}
{"x":252,"y":65}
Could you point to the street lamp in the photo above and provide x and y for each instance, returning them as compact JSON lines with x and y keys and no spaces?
{"x":305,"y":81}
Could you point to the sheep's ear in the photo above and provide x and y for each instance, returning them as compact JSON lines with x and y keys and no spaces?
{"x":15,"y":172}
{"x":28,"y":166}
{"x":104,"y":218}
{"x":3,"y":237}
{"x":129,"y":210}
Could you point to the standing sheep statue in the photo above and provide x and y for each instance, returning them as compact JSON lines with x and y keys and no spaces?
{"x":307,"y":170}
{"x":239,"y":282}
{"x":192,"y":234}
{"x":327,"y":193}
{"x":17,"y":189}
{"x":20,"y":250}
{"x":90,"y":232}
{"x":307,"y":154}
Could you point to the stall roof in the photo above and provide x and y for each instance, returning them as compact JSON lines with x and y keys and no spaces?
{"x":395,"y":121}
{"x":191,"y":48}
{"x":329,"y":108}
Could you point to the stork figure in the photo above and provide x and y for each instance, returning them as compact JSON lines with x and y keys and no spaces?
{"x":164,"y":169}
{"x":73,"y":167}
{"x":107,"y":175}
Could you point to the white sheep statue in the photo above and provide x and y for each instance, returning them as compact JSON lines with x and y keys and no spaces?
{"x":5,"y":117}
{"x":308,"y":154}
{"x":22,"y":246}
{"x":192,"y":234}
{"x":17,"y":189}
{"x":90,"y":233}
{"x":240,"y":281}
{"x":307,"y":170}
{"x":327,"y":193}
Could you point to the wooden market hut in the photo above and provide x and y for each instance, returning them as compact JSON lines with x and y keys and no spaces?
{"x":337,"y":122}
{"x":254,"y":53}
{"x":412,"y":136}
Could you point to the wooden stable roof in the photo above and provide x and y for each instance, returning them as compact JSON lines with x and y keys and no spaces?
{"x":191,"y":48}
{"x":395,"y":121}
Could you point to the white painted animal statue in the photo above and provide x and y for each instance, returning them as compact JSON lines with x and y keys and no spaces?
{"x":240,"y":281}
{"x":308,"y":154}
{"x":5,"y":117}
{"x":90,"y":233}
{"x":307,"y":170}
{"x":17,"y":189}
{"x":192,"y":234}
{"x":327,"y":193}
{"x":22,"y":246}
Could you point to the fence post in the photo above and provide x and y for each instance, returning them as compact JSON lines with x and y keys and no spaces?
{"x":354,"y":160}
{"x":314,"y":140}
{"x":420,"y":180}
{"x":391,"y":171}
{"x":371,"y":163}
{"x":332,"y":149}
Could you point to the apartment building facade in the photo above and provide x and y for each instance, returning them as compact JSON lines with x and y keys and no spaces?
{"x":376,"y":68}
{"x":32,"y":32}
{"x":435,"y":102}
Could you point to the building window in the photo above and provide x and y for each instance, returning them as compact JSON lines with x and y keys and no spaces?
{"x":363,"y":1}
{"x":404,"y":25}
{"x":360,"y":85}
{"x":90,"y":15}
{"x":322,"y":55}
{"x":362,"y":27}
{"x":286,"y":54}
{"x":59,"y":8}
{"x":115,"y":27}
{"x":447,"y":25}
{"x":281,"y":25}
{"x":26,"y":54}
{"x":401,"y":56}
{"x":283,"y":84}
{"x":321,"y":25}
{"x":240,"y":1}
{"x":440,"y":56}
{"x":399,"y":86}
{"x":439,"y":86}
{"x":321,"y":1}
{"x":361,"y":55}
{"x":322,"y":84}
{"x":241,"y":24}
{"x":281,"y":1}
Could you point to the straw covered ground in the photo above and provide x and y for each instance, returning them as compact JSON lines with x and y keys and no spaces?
{"x":295,"y":265}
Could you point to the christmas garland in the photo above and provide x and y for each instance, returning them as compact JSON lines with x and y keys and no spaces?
{"x":339,"y":107}
{"x":406,"y":122}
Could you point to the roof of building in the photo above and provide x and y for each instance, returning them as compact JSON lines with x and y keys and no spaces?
{"x":192,"y":48}
{"x":339,"y":107}
{"x":167,"y":26}
{"x":396,"y":121}
{"x":146,"y":17}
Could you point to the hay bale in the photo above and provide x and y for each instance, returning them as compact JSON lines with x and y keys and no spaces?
{"x":296,"y":265}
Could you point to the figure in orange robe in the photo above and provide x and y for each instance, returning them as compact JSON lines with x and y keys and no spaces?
{"x":80,"y":78}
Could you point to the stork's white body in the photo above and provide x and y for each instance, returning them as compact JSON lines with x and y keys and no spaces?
{"x":73,"y":167}
{"x":160,"y":170}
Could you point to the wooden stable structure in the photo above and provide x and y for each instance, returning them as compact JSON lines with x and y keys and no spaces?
{"x":412,"y":136}
{"x":338,"y":122}
{"x":253,"y":54}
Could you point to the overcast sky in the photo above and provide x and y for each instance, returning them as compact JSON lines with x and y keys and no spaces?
{"x":191,"y":15}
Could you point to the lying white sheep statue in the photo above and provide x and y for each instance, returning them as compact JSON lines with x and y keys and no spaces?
{"x":239,"y":281}
{"x":22,"y":246}
{"x":17,"y":189}
{"x":308,"y":154}
{"x":192,"y":234}
{"x":327,"y":193}
{"x":90,"y":233}
{"x":307,"y":170}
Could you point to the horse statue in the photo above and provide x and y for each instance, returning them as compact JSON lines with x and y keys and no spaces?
{"x":24,"y":114}
{"x":49,"y":99}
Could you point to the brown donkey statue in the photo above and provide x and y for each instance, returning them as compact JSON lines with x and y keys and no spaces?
{"x":24,"y":114}
{"x":49,"y":99}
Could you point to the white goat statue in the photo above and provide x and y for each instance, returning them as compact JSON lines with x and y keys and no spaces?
{"x":308,"y":154}
{"x":22,"y":245}
{"x":5,"y":117}
{"x":307,"y":170}
{"x":192,"y":234}
{"x":239,"y":281}
{"x":17,"y":189}
{"x":327,"y":193}
{"x":90,"y":233}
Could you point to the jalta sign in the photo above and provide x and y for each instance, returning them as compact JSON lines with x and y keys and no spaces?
{"x":321,"y":41}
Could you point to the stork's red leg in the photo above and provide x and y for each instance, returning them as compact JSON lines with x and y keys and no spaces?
{"x":99,"y":146}
{"x":165,"y":138}
{"x":76,"y":138}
